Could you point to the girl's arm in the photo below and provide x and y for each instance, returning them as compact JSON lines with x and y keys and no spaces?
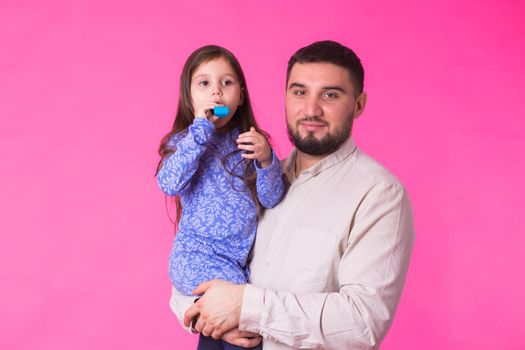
{"x":270,"y":183}
{"x":178,"y":168}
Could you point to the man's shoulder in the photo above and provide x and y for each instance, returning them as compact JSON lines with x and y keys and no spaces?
{"x":373,"y":170}
{"x":373,"y":181}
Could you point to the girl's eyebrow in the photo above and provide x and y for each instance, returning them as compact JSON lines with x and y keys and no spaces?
{"x":199,"y":76}
{"x":206,"y":76}
{"x":231,"y":76}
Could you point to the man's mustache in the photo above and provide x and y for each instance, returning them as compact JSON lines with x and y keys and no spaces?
{"x":313,"y":119}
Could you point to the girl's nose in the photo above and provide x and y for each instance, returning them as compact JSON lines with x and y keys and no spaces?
{"x":216,"y":90}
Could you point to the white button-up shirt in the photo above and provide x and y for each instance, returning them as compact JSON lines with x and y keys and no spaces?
{"x":330,"y":261}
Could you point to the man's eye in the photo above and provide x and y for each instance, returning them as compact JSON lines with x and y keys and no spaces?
{"x":298,"y":92}
{"x":203,"y":83}
{"x":330,"y":94}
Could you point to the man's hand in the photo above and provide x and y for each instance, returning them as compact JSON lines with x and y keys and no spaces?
{"x":219,"y":309}
{"x":242,"y":338}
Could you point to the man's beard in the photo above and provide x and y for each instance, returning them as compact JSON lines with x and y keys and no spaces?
{"x":328,"y":144}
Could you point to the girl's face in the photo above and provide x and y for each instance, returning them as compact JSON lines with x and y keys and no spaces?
{"x":215,"y":83}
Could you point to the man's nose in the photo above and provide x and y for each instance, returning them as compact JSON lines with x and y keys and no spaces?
{"x":312,"y":107}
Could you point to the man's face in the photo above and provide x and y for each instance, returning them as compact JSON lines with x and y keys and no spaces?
{"x":320,"y":107}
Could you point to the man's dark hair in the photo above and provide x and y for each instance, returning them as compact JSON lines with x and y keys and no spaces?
{"x":328,"y":51}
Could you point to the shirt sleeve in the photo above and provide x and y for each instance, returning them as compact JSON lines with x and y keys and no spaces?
{"x":270,"y":183}
{"x":179,"y":304}
{"x":178,"y":168}
{"x":371,"y":276}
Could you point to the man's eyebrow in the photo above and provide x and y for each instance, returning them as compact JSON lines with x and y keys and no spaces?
{"x":296,"y":85}
{"x":335,"y":87}
{"x":329,"y":87}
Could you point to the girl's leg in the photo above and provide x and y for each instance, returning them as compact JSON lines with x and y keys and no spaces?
{"x":208,"y":343}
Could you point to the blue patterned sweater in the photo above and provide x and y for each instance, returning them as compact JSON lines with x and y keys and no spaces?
{"x":218,"y":223}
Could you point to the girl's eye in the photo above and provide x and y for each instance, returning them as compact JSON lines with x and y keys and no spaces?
{"x":227,"y":82}
{"x":203,"y":83}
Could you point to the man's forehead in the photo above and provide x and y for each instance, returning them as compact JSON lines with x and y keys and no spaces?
{"x":322,"y":73}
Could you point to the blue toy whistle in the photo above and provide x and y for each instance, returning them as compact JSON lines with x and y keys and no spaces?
{"x":221,"y":111}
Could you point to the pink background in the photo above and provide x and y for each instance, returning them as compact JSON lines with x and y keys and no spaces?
{"x":88,"y":88}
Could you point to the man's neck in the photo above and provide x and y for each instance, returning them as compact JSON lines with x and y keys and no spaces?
{"x":304,"y":161}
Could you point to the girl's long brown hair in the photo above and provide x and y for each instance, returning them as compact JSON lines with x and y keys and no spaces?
{"x":243,"y":117}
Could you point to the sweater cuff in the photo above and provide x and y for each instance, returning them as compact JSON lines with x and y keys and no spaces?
{"x":201,"y":128}
{"x":267,"y":169}
{"x":252,"y":304}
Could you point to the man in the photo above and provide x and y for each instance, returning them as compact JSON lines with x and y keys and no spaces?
{"x":330,"y":261}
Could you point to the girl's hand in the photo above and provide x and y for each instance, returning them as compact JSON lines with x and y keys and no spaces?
{"x":256,"y":147}
{"x":205,"y":110}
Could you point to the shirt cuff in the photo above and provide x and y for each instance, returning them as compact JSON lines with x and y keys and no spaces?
{"x":252,"y":304}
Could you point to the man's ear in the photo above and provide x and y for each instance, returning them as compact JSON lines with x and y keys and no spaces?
{"x":360,"y":104}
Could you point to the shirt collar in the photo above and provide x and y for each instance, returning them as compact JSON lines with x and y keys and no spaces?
{"x":343,"y":152}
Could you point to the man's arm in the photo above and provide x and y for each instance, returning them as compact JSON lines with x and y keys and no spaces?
{"x":371,"y":276}
{"x":218,"y":309}
{"x":180,"y":303}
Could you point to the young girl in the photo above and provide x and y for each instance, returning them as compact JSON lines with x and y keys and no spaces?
{"x":221,"y":170}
